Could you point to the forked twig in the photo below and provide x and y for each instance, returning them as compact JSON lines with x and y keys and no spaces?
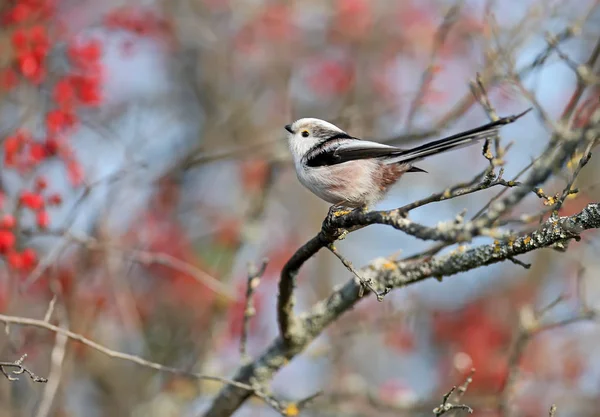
{"x":19,"y":369}
{"x":365,"y":283}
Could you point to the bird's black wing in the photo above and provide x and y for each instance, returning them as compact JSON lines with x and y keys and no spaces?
{"x":333,"y":152}
{"x":343,"y":148}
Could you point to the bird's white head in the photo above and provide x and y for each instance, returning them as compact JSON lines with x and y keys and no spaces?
{"x":304,"y":134}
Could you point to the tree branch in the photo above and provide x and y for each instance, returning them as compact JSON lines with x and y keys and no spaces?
{"x":383,"y":273}
{"x":103,"y":349}
{"x":17,"y":369}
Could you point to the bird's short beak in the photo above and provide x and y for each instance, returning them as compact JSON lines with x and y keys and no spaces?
{"x":289,"y":128}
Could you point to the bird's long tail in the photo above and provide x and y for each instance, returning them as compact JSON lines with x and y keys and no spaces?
{"x":459,"y":140}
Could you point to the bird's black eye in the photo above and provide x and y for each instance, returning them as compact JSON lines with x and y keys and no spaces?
{"x":305,"y":134}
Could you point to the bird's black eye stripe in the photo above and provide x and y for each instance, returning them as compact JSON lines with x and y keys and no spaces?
{"x":305,"y":134}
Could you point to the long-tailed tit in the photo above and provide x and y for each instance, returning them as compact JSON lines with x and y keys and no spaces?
{"x":351,"y":172}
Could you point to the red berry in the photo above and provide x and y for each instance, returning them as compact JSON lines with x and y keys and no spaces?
{"x":28,"y":65}
{"x":64,"y":93}
{"x":40,"y":51}
{"x":12,"y":144}
{"x":89,"y":92}
{"x":20,"y":12}
{"x":86,"y":53}
{"x":52,"y":146}
{"x":38,"y":34}
{"x":15,"y":260}
{"x":58,"y":120}
{"x":31,"y":200}
{"x":41,"y":183}
{"x":37,"y":152}
{"x":29,"y":258}
{"x":55,"y":200}
{"x":19,"y":39}
{"x":7,"y":240}
{"x":55,"y":121}
{"x":7,"y":221}
{"x":43,"y":219}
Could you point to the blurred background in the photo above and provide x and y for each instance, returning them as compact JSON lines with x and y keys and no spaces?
{"x":144,"y":165}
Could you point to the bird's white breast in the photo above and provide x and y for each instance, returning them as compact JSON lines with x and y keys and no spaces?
{"x":350,"y":183}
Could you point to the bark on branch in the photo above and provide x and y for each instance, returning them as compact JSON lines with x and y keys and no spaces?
{"x":384,"y":273}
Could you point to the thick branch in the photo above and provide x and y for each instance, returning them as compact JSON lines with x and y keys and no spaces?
{"x":384,"y":273}
{"x":287,"y":283}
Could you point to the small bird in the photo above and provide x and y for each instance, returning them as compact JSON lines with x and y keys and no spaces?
{"x":350,"y":172}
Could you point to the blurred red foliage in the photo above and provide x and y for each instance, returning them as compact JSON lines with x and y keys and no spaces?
{"x":254,"y":174}
{"x":480,"y":331}
{"x":400,"y":338}
{"x":331,"y":77}
{"x":352,"y":20}
{"x":143,"y":22}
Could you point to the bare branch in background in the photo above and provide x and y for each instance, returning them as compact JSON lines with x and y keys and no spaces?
{"x":12,"y":370}
{"x":254,"y":276}
{"x":57,"y":358}
{"x":24,"y":321}
{"x":446,"y":406}
{"x":531,"y":324}
{"x":443,"y":30}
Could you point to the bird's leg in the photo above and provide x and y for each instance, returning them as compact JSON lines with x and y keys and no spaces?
{"x":338,"y":210}
{"x":334,"y":212}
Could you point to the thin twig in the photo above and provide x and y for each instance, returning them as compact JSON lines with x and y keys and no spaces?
{"x":450,"y":19}
{"x":462,"y":389}
{"x":587,"y":155}
{"x":478,"y":183}
{"x":480,"y":92}
{"x":50,"y":309}
{"x":57,"y":358}
{"x":364,"y":283}
{"x":518,"y":262}
{"x":108,"y":352}
{"x":18,"y":369}
{"x":145,"y":258}
{"x":447,"y":406}
{"x":254,"y":276}
{"x":581,"y":84}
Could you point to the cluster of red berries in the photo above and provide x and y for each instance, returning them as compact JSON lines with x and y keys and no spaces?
{"x":31,"y":42}
{"x":37,"y":202}
{"x":79,"y":88}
